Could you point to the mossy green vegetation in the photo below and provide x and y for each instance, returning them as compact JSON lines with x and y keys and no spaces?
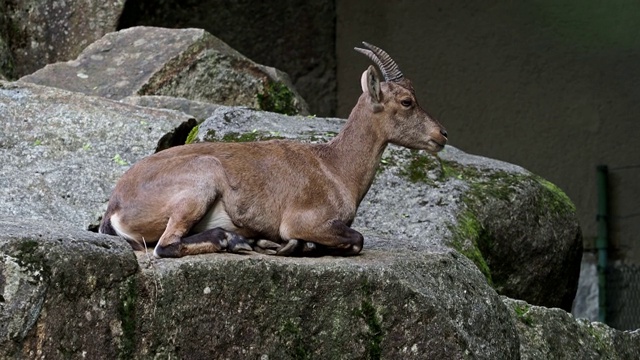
{"x":193,"y":134}
{"x":254,"y":135}
{"x":555,"y":199}
{"x":298,"y":348}
{"x":119,"y":160}
{"x":127,"y":313}
{"x":277,"y":97}
{"x":417,"y":168}
{"x":373,"y":320}
{"x":522,"y":312}
{"x":467,"y":236}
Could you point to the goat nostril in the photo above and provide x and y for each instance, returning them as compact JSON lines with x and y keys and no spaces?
{"x":443,"y":132}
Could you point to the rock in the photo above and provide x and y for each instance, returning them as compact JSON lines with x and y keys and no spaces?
{"x":70,"y":293}
{"x":519,"y":229}
{"x":57,"y":283}
{"x":193,"y":64}
{"x":554,"y":334}
{"x":42,"y":32}
{"x":198,"y":109}
{"x":62,"y":152}
{"x":297,"y":37}
{"x":86,"y":296}
{"x":6,"y":61}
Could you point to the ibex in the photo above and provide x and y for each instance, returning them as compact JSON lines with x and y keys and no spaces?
{"x":279,"y":197}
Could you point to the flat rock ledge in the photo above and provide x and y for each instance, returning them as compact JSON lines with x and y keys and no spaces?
{"x":70,"y":293}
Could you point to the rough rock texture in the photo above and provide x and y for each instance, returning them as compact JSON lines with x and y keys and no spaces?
{"x":68,"y":293}
{"x":193,"y":64}
{"x":62,"y":290}
{"x":198,"y":109}
{"x":554,"y":334}
{"x":6,"y":61}
{"x":295,"y":36}
{"x":62,"y":152}
{"x":519,"y":229}
{"x":41,"y":32}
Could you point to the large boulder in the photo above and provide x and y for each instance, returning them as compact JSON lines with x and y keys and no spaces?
{"x":554,"y":334}
{"x":193,"y":64}
{"x":298,"y":37}
{"x":62,"y":152}
{"x":68,"y":293}
{"x":42,"y":32}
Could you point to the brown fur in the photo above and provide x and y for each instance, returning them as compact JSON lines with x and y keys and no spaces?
{"x":275,"y":190}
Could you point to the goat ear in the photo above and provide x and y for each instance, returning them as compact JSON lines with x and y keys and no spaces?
{"x":370,"y":83}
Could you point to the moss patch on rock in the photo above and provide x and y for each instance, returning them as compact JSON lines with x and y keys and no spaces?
{"x":467,"y":237}
{"x":250,"y":136}
{"x":276,"y":97}
{"x":522,"y":313}
{"x":193,"y":134}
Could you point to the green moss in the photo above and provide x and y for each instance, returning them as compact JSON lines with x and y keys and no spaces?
{"x":467,"y":237}
{"x":522,"y":312}
{"x":368,"y":312}
{"x":119,"y":160}
{"x":297,"y":349}
{"x":277,"y":97}
{"x":192,"y":135}
{"x":250,"y":136}
{"x":599,"y":337}
{"x":418,"y":166}
{"x":554,"y":198}
{"x":127,"y":313}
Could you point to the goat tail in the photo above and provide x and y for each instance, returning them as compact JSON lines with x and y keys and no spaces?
{"x":106,"y":228}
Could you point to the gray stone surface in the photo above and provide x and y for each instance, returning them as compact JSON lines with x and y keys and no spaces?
{"x":297,"y":37}
{"x":68,"y":293}
{"x":554,"y":334}
{"x":82,"y":294}
{"x":62,"y":152}
{"x":198,"y":109}
{"x":193,"y":64}
{"x":42,"y":32}
{"x":519,"y":229}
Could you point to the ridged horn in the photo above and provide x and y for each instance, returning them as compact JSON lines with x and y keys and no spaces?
{"x":389,"y":68}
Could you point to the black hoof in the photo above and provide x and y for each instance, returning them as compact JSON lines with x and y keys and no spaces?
{"x":289,"y":248}
{"x":238,"y":244}
{"x":171,"y":251}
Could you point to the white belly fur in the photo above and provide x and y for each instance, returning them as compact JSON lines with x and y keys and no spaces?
{"x":216,"y":217}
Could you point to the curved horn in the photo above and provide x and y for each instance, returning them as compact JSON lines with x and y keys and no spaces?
{"x":389,"y":68}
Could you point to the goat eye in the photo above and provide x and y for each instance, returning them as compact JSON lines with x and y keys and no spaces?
{"x":406,"y":102}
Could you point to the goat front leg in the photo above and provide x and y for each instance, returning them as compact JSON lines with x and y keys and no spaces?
{"x":174,"y":242}
{"x":208,"y":241}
